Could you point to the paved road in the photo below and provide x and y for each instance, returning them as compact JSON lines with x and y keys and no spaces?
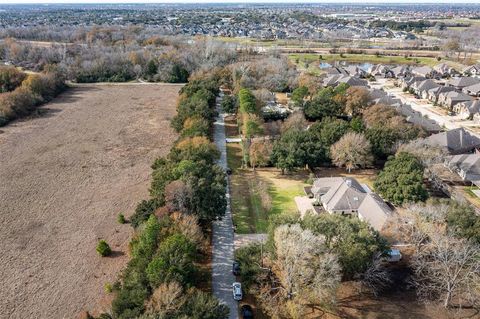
{"x":223,"y":235}
{"x":450,"y":122}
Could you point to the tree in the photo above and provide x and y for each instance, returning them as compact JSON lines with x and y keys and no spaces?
{"x":247,"y":101}
{"x":354,"y":241}
{"x":401,"y":181}
{"x":382,"y":140}
{"x":260,"y":152}
{"x":195,"y":148}
{"x":299,"y":95}
{"x":306,"y":271}
{"x":289,"y":152}
{"x":448,"y":269}
{"x":103,"y":249}
{"x":178,"y":74}
{"x":352,"y":151}
{"x":10,"y":78}
{"x":323,"y":104}
{"x":229,"y":104}
{"x":357,"y":99}
{"x":296,"y":121}
{"x":172,"y":262}
{"x":177,"y":197}
{"x":463,"y":222}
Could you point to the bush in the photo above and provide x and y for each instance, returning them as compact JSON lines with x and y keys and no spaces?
{"x":103,"y":248}
{"x":121,"y":219}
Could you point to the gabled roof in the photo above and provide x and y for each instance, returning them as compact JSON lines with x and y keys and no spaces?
{"x":422,"y":70}
{"x":457,"y":96}
{"x":475,"y":88}
{"x":463,"y":81}
{"x":454,"y":140}
{"x":345,"y":194}
{"x":427,"y":85}
{"x":375,"y":211}
{"x":471,"y":106}
{"x":443,"y":67}
{"x":352,"y":81}
{"x":441,"y":89}
{"x":468,"y":68}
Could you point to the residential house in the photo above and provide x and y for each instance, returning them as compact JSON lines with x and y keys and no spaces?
{"x":334,"y":70}
{"x":444,"y":70}
{"x":345,"y":196}
{"x":473,"y":90}
{"x":421,"y":88}
{"x":467,"y":109}
{"x":352,"y":81}
{"x":424,"y":71}
{"x":332,"y":80}
{"x":449,"y":99}
{"x":472,"y":70}
{"x":456,"y":141}
{"x":434,"y":93}
{"x":401,"y":71}
{"x":381,"y":70}
{"x":462,"y":82}
{"x":407,"y":82}
{"x":354,"y":70}
{"x":467,"y":166}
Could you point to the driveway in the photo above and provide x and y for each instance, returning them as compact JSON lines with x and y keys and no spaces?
{"x":223,"y":235}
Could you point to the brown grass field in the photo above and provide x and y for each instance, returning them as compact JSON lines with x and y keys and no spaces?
{"x":64,"y":177}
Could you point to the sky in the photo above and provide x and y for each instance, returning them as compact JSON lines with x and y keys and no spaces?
{"x":244,"y":1}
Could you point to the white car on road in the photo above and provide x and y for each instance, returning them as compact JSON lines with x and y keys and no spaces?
{"x":237,"y":291}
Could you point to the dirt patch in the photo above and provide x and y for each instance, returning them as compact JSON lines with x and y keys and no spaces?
{"x":65,"y":176}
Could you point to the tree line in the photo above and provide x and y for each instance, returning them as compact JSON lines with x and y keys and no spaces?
{"x":22,"y":93}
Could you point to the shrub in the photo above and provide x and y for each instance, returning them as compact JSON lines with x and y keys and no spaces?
{"x":103,"y":248}
{"x":121,"y":219}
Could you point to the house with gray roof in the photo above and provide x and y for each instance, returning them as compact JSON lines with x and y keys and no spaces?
{"x":345,"y":196}
{"x":449,"y":99}
{"x":456,"y":141}
{"x":401,"y":71}
{"x":473,"y":90}
{"x":354,"y":70}
{"x":472,"y":70}
{"x":352,"y":81}
{"x":424,"y":71}
{"x":421,"y":88}
{"x":467,"y":109}
{"x":461,"y":82}
{"x":434,"y":93}
{"x":467,"y":166}
{"x":444,"y":70}
{"x":409,"y":81}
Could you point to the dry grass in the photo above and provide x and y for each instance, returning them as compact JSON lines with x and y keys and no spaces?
{"x":65,"y":177}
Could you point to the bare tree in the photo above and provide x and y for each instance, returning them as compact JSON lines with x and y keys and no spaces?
{"x":357,"y":99}
{"x":167,"y":298}
{"x":352,"y":151}
{"x":448,"y":269}
{"x":296,"y":121}
{"x":306,"y":271}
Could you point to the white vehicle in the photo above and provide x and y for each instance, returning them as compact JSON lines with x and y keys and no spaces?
{"x":237,"y":291}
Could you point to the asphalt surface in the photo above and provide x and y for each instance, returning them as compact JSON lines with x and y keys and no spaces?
{"x":223,"y":234}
